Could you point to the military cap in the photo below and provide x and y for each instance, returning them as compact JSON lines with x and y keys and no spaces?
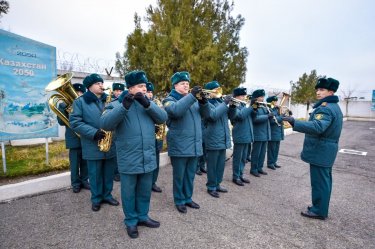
{"x":118,"y":86}
{"x":180,"y":76}
{"x":79,"y":87}
{"x":92,"y":79}
{"x":258,"y":93}
{"x":239,"y":91}
{"x":329,"y":84}
{"x":150,"y":87}
{"x":272,"y":98}
{"x":135,"y":77}
{"x":211,"y":85}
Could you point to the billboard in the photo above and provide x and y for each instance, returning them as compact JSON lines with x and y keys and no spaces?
{"x":26,"y":67}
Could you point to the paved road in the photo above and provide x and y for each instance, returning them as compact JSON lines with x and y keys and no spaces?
{"x":264,"y":214}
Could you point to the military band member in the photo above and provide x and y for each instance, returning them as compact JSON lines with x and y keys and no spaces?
{"x":134,"y":121}
{"x":323,"y":130}
{"x":277,"y":134}
{"x":78,"y":166}
{"x":184,"y":137}
{"x":242,"y":134}
{"x":158,"y":143}
{"x":117,"y":89}
{"x":216,"y":140}
{"x":85,"y":120}
{"x":262,"y":133}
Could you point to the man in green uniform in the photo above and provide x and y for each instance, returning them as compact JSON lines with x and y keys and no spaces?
{"x":320,"y":147}
{"x":277,"y":134}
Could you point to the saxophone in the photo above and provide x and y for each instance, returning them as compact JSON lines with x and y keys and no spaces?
{"x":105,"y":143}
{"x":161,"y":131}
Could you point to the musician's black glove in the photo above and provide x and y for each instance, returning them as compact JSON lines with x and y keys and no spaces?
{"x":270,"y":115}
{"x":157,"y":128}
{"x":290,"y":120}
{"x":196,"y":90}
{"x":128,"y":101}
{"x":142,"y":99}
{"x":227,"y":99}
{"x":254,"y":104}
{"x":203,"y":100}
{"x":99,"y":135}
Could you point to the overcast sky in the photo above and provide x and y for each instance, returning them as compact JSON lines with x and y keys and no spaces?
{"x":285,"y":38}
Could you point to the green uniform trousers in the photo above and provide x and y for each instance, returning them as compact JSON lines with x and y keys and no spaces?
{"x":321,"y":187}
{"x":215,"y":168}
{"x":272,"y":152}
{"x":135,"y":197}
{"x":257,"y":156}
{"x":239,"y":159}
{"x":101,"y":179}
{"x":155,"y":173}
{"x":183,"y":178}
{"x":78,"y":168}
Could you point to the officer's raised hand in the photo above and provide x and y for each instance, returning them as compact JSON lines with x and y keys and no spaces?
{"x":290,"y":120}
{"x":142,"y":99}
{"x":128,"y":101}
{"x":99,"y":135}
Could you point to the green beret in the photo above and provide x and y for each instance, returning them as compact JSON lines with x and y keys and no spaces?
{"x":272,"y":98}
{"x":92,"y":79}
{"x":211,"y":85}
{"x":258,"y":93}
{"x":329,"y":84}
{"x":239,"y":91}
{"x":180,"y":76}
{"x":135,"y":77}
{"x":118,"y":86}
{"x":79,"y":87}
{"x":150,"y":87}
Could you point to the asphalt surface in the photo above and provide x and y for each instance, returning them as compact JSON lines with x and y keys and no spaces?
{"x":263,"y":214}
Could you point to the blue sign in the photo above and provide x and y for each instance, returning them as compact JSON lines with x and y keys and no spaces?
{"x":373,"y":100}
{"x":26,"y":67}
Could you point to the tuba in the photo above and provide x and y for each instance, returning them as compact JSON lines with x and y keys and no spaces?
{"x":66,"y":94}
{"x":105,"y":143}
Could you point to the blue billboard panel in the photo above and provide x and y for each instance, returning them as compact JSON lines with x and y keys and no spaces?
{"x":26,"y":67}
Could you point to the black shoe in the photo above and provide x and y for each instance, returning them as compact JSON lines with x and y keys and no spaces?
{"x":262,"y":172}
{"x":244,"y":180}
{"x":116,"y":177}
{"x":238,"y":182}
{"x":203,"y":170}
{"x":271,"y":167}
{"x":277,"y":166}
{"x":86,"y":185}
{"x":76,"y":189}
{"x":198,"y":172}
{"x":155,"y":188}
{"x":221,"y":189}
{"x":255,"y":174}
{"x":192,"y":204}
{"x":312,"y":215}
{"x":213,"y":193}
{"x":181,"y":208}
{"x":95,"y":207}
{"x":149,"y":223}
{"x":132,"y":231}
{"x":112,"y":202}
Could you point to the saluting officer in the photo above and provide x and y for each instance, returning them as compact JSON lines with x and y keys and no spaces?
{"x":184,"y":137}
{"x":133,"y":122}
{"x":242,"y":133}
{"x":158,"y":143}
{"x":78,"y":166}
{"x":277,"y":134}
{"x":320,"y":147}
{"x":216,"y":140}
{"x":262,"y":133}
{"x":85,"y":120}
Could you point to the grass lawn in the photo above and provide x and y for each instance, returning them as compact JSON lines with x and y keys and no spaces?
{"x":31,"y":160}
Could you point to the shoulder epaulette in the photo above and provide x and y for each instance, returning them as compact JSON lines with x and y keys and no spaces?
{"x":324,"y":104}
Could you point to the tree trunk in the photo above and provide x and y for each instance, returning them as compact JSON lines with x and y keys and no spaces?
{"x":307,"y":111}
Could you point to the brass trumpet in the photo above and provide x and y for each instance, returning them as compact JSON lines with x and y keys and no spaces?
{"x":210,"y":94}
{"x":238,"y":102}
{"x":268,"y":106}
